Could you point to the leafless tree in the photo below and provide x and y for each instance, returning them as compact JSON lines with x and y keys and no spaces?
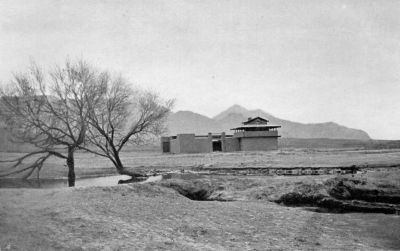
{"x":78,"y":107}
{"x":50,"y":112}
{"x":124,"y":116}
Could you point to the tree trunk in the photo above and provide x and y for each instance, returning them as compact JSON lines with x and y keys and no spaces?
{"x":71,"y":167}
{"x":123,"y":171}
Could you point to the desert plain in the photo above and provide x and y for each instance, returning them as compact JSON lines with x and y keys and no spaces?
{"x":237,"y":212}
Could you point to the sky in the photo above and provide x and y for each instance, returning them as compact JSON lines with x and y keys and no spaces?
{"x":305,"y":61}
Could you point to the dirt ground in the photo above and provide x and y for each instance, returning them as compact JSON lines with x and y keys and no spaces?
{"x":155,"y":217}
{"x":151,"y":217}
{"x":91,"y":165}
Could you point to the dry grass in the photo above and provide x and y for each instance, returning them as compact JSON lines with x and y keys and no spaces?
{"x":90,"y":165}
{"x":155,"y":217}
{"x":150,"y":217}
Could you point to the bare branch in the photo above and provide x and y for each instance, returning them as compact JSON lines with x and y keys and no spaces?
{"x":48,"y":111}
{"x":125,"y":115}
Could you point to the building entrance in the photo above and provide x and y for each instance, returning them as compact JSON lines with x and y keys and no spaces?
{"x":217,"y":146}
{"x":166,"y":147}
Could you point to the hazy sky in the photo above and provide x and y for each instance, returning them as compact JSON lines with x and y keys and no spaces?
{"x":306,"y":61}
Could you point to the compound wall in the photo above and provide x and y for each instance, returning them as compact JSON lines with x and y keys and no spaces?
{"x":258,"y":144}
{"x":188,"y":143}
{"x":231,"y":145}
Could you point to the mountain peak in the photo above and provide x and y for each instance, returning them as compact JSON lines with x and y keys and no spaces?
{"x":244,"y":112}
{"x":238,"y":109}
{"x":235,"y":106}
{"x":189,"y":122}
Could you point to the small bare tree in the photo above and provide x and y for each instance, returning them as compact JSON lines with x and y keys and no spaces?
{"x":124,"y":116}
{"x":50,"y":112}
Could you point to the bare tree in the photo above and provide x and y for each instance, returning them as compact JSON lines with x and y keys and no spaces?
{"x":124,"y":116}
{"x":77,"y":107}
{"x":50,"y":112}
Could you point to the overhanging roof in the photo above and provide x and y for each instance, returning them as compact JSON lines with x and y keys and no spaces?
{"x":255,"y":126}
{"x":256,"y":120}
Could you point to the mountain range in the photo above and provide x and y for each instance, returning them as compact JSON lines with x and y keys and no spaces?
{"x":190,"y":122}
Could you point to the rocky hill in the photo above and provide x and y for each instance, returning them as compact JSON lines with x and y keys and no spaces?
{"x":190,"y":122}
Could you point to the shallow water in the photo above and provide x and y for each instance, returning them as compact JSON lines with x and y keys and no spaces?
{"x":57,"y":183}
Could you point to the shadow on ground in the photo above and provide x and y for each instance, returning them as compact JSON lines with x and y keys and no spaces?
{"x":342,"y":194}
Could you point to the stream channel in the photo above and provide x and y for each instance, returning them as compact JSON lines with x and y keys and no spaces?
{"x":58,"y":183}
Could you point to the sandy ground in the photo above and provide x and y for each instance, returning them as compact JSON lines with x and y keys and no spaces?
{"x":151,"y":217}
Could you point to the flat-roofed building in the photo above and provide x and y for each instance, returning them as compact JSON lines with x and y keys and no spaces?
{"x":254,"y":135}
